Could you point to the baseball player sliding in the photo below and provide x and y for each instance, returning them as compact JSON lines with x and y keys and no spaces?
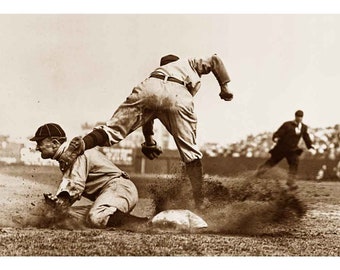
{"x":93,"y":176}
{"x":167,"y":94}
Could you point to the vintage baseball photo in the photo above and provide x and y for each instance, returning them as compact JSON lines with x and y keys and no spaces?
{"x":169,"y":135}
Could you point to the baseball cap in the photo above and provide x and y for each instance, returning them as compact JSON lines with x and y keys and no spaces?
{"x":168,"y":59}
{"x":49,"y":130}
{"x":299,"y":113}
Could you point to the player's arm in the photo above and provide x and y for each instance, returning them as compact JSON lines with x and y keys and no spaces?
{"x":307,"y":139}
{"x":150,"y":148}
{"x":148,"y":132}
{"x":215,"y":65}
{"x":219,"y":70}
{"x":280,"y":132}
{"x":71,"y":186}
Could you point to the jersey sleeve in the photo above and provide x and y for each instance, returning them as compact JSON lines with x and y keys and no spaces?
{"x":307,"y":138}
{"x":74,"y":180}
{"x":280,"y":132}
{"x":212,"y":64}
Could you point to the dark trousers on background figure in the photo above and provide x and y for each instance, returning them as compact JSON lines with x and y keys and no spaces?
{"x":276,"y":156}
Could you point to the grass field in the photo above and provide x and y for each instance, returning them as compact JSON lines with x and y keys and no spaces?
{"x":249,"y":206}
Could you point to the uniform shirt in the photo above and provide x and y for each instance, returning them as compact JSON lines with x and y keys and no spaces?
{"x":190,"y":71}
{"x":89,"y":174}
{"x":289,"y":135}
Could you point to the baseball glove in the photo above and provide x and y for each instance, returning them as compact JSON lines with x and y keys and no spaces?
{"x":59,"y":203}
{"x":75,"y":149}
{"x":151,"y":151}
{"x":50,"y":199}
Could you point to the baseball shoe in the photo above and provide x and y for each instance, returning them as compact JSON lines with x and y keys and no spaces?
{"x":75,"y":149}
{"x":119,"y":219}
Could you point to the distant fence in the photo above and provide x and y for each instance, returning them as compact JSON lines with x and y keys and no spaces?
{"x":308,"y":168}
{"x":170,"y":163}
{"x":133,"y":161}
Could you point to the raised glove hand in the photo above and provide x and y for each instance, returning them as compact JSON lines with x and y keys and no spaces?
{"x":225,"y":94}
{"x":75,"y":149}
{"x":151,"y":151}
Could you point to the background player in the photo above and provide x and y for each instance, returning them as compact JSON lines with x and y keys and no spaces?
{"x":287,"y":138}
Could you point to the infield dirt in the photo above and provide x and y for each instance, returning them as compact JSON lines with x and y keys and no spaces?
{"x":246,"y":223}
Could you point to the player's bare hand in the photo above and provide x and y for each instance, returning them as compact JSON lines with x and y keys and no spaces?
{"x":225,"y":93}
{"x":312,"y":151}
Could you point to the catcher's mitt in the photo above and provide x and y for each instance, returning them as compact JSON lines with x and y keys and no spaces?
{"x":75,"y":149}
{"x":151,"y":151}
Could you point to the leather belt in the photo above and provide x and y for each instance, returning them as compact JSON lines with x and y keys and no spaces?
{"x":167,"y":78}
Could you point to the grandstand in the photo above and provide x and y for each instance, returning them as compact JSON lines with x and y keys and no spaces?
{"x":326,"y":142}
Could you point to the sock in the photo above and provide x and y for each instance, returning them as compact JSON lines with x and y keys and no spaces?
{"x":97,"y":137}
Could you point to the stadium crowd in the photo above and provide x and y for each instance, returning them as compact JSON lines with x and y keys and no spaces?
{"x":325,"y":140}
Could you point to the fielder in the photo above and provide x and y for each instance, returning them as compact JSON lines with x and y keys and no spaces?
{"x":167,"y":94}
{"x":93,"y":176}
{"x":287,"y":138}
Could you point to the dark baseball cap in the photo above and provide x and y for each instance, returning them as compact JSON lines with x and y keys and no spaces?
{"x":168,"y":59}
{"x":299,"y":113}
{"x":49,"y":130}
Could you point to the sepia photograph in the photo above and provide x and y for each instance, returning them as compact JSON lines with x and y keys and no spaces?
{"x":169,"y":134}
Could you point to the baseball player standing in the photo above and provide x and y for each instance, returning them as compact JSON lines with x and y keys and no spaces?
{"x":167,"y":94}
{"x":287,"y":138}
{"x":93,"y":176}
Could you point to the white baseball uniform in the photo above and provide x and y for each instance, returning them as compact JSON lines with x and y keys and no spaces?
{"x":169,"y":101}
{"x":95,"y":177}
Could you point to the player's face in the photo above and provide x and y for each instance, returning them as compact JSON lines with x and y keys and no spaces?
{"x":298,"y":119}
{"x":46,"y":147}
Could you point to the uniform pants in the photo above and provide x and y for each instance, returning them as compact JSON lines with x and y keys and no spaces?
{"x":291,"y":157}
{"x":169,"y":102}
{"x":120,"y":193}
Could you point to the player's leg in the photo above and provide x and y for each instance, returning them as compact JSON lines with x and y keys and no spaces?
{"x":181,"y":122}
{"x":293,"y":162}
{"x":274,"y":159}
{"x":194,"y":170}
{"x":138,"y":108}
{"x":129,"y":116}
{"x":115,"y":202}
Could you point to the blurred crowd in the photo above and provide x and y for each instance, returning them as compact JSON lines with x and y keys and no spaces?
{"x":325,"y":140}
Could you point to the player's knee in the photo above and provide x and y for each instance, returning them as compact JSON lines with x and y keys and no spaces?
{"x":194,"y":163}
{"x":96,"y":221}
